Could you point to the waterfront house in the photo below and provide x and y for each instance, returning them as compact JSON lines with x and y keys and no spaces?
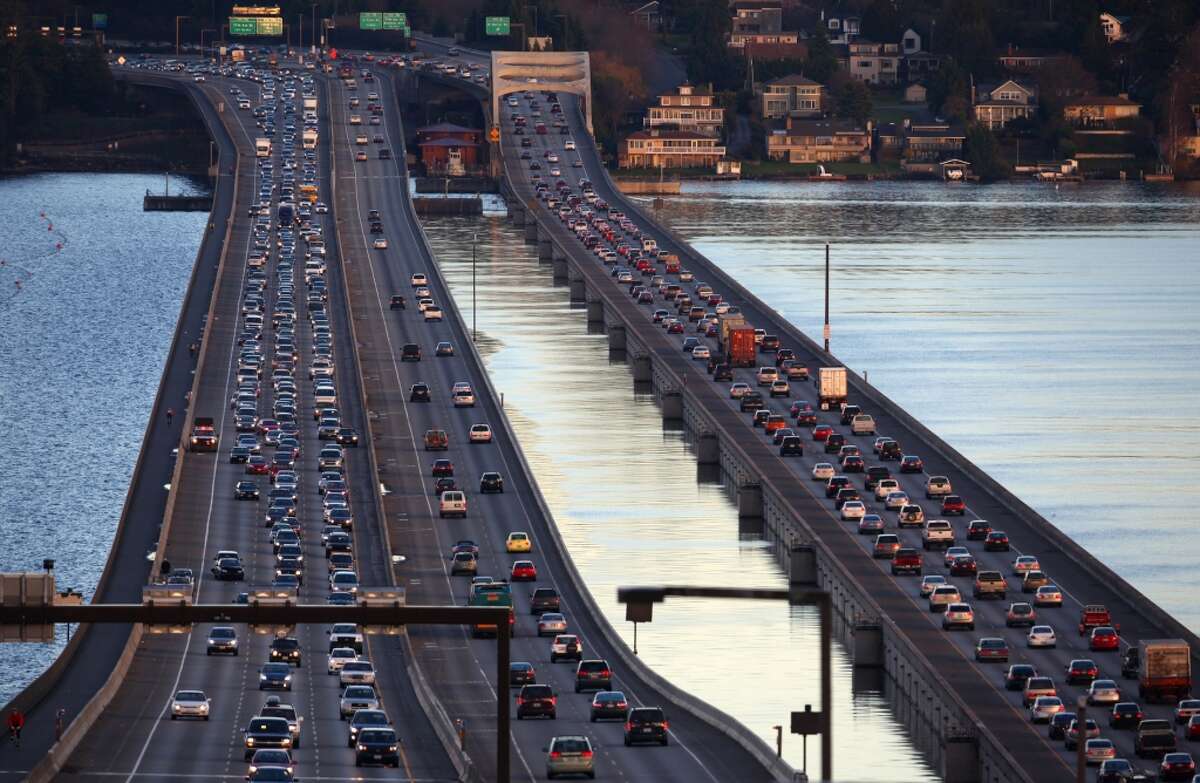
{"x":758,"y":22}
{"x":689,"y":108}
{"x":648,"y":16}
{"x":841,"y":29}
{"x":670,"y":149}
{"x":997,"y":105}
{"x":820,"y":141}
{"x":1100,"y":110}
{"x":792,"y":95}
{"x":910,"y":42}
{"x":919,"y":66}
{"x":933,"y":142}
{"x":875,"y":63}
{"x":447,"y":148}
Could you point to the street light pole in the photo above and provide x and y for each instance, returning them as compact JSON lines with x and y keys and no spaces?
{"x":826,"y":330}
{"x":178,"y":19}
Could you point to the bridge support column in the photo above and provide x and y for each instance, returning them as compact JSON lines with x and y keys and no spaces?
{"x":672,"y":406}
{"x":616,"y":342}
{"x":803,"y":565}
{"x":517,"y":215}
{"x":960,"y":760}
{"x":708,"y":449}
{"x":595,"y":311}
{"x":750,"y":510}
{"x":578,"y":290}
{"x":868,"y":645}
{"x":531,"y":231}
{"x":643,"y":371}
{"x":560,"y":270}
{"x":545,"y":248}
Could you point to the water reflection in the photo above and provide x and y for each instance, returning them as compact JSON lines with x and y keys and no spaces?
{"x":632,"y":510}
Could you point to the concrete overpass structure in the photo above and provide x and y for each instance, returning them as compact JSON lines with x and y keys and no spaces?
{"x":567,"y":72}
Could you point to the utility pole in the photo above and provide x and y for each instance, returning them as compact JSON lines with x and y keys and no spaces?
{"x":178,"y":19}
{"x":826,"y":330}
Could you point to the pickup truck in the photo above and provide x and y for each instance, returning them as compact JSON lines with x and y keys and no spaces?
{"x":1095,"y":616}
{"x":937,"y":533}
{"x":346,"y":635}
{"x":990,"y":584}
{"x":906,"y":561}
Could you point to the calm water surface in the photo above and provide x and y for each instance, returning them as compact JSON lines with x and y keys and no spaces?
{"x":82,"y":345}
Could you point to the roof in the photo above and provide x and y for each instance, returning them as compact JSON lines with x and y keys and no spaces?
{"x":936,"y":131}
{"x":794,"y":79}
{"x":756,"y":4}
{"x":669,"y":134}
{"x":447,"y":143}
{"x":447,"y":127}
{"x":1103,"y":100}
{"x":798,"y":127}
{"x":648,"y":8}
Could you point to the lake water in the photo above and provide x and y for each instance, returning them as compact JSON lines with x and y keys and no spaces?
{"x":83,"y":338}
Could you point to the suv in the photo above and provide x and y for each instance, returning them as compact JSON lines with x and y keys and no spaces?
{"x":937,"y":533}
{"x":990,"y":584}
{"x":593,"y":675}
{"x":646,"y":724}
{"x":570,"y":756}
{"x":567,"y":646}
{"x":537,"y":701}
{"x":286,"y":649}
{"x":276,"y":709}
{"x":345,"y":635}
{"x":264,"y":732}
{"x":545,"y":599}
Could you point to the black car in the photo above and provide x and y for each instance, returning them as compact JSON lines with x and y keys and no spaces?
{"x":890,"y":450}
{"x":411,"y":352}
{"x":594,"y":674}
{"x":347,"y":436}
{"x":609,"y":704}
{"x":228,"y":569}
{"x":286,"y":649}
{"x":419,"y":392}
{"x":834,"y":443}
{"x":1018,"y":673}
{"x":396,"y":303}
{"x":646,"y":724}
{"x":750,"y":402}
{"x":1059,"y":724}
{"x":1125,"y":715}
{"x":792,"y":446}
{"x":385,"y":154}
{"x":239,"y":455}
{"x":444,"y":484}
{"x":722,"y":372}
{"x":245,"y":490}
{"x":443,"y":349}
{"x":521,"y":673}
{"x":537,"y":701}
{"x":849,"y":412}
{"x":491,"y":482}
{"x":266,"y":733}
{"x":376,"y":227}
{"x":377,"y":746}
{"x":544,"y":599}
{"x":362,"y":720}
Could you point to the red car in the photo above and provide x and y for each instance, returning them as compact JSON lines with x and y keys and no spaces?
{"x":1193,"y":727}
{"x":906,"y":561}
{"x":996,"y":541}
{"x":822,"y":432}
{"x":1082,"y":670}
{"x":257,"y":466}
{"x":963,"y":565}
{"x":1104,"y":638}
{"x":991,"y":648}
{"x":978,"y":530}
{"x":523,"y":571}
{"x":953,"y":504}
{"x":801,"y":406}
{"x":441,"y":468}
{"x":910,"y":463}
{"x":853,"y":464}
{"x":675,"y":328}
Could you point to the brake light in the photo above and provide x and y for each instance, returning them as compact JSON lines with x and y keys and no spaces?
{"x":666,"y":724}
{"x":554,"y":754}
{"x":628,"y":726}
{"x":587,"y":754}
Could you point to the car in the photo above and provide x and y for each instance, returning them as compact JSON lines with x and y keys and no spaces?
{"x":952,"y":553}
{"x":222,"y":639}
{"x":1025,"y":563}
{"x":1019,"y":615}
{"x":190,"y":704}
{"x":246,"y":490}
{"x":1082,"y":670}
{"x":433,"y":313}
{"x":1120,"y":771}
{"x":480,"y":433}
{"x":1032,"y":580}
{"x":1057,"y":730}
{"x":1048,"y":595}
{"x":1177,"y":766}
{"x":646,"y":724}
{"x":357,"y":697}
{"x":911,"y":515}
{"x":1044,"y":708}
{"x":953,"y":505}
{"x":544,"y":599}
{"x":551,"y":624}
{"x":566,"y":646}
{"x":266,"y":732}
{"x":228,"y":569}
{"x":963,"y":565}
{"x":1041,"y":636}
{"x":359,"y":672}
{"x":275,"y":676}
{"x":943,"y":596}
{"x":273,"y":758}
{"x":570,"y":755}
{"x":910,"y":463}
{"x":380,"y":243}
{"x":929,"y":583}
{"x":885,"y":546}
{"x":286,"y":649}
{"x":523,"y":571}
{"x":377,"y":745}
{"x":491,"y":481}
{"x":521,"y":673}
{"x":360,"y":156}
{"x":1126,"y":715}
{"x":1098,"y":750}
{"x":869,"y":523}
{"x":464,"y":563}
{"x":853,"y":510}
{"x":1103,"y":692}
{"x":419,"y":392}
{"x":823,"y":471}
{"x":607,"y":705}
{"x":1104,"y":638}
{"x":991,"y":648}
{"x":1186,"y":709}
{"x":937,"y":486}
{"x":958,"y":616}
{"x":701,"y":352}
{"x":978,"y":529}
{"x":996,"y":541}
{"x":517,"y":542}
{"x":1017,"y":675}
{"x":346,"y":436}
{"x":1035,"y":687}
{"x":537,"y":701}
{"x":906,"y":560}
{"x":338,"y":657}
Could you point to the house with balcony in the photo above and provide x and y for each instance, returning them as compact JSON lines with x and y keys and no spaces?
{"x":1114,"y":27}
{"x":1017,"y":60}
{"x":820,"y":141}
{"x":841,"y":29}
{"x":759,"y":22}
{"x":793,"y":95}
{"x":1098,"y":111}
{"x":995,"y":106}
{"x":672,"y":149}
{"x":875,"y":63}
{"x":928,"y":144}
{"x":689,"y":108}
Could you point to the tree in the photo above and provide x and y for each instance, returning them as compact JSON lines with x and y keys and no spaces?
{"x":822,"y":62}
{"x":984,"y":153}
{"x":852,"y":99}
{"x":881,"y":22}
{"x":948,"y":90}
{"x":708,"y":55}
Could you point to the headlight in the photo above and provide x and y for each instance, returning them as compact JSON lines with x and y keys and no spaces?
{"x":362,"y":748}
{"x":176,"y":707}
{"x":249,"y":740}
{"x":288,"y":678}
{"x":262,"y":678}
{"x":392,"y":748}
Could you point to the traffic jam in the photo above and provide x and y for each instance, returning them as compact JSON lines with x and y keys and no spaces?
{"x":1048,"y":648}
{"x":560,"y":658}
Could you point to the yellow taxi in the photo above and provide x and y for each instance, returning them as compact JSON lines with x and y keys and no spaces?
{"x":518,"y":542}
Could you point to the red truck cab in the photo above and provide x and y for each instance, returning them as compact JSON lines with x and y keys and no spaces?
{"x":1095,"y":616}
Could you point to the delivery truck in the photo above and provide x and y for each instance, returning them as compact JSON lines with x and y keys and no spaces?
{"x":728,"y":323}
{"x":1165,"y":670}
{"x":262,"y":147}
{"x":739,"y":348}
{"x":831,"y":388}
{"x":310,"y":104}
{"x":309,"y":138}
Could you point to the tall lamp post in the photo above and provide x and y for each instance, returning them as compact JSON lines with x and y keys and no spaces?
{"x":178,"y":19}
{"x":825,"y":331}
{"x":639,"y":608}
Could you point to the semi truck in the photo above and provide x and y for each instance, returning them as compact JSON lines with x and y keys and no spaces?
{"x":309,"y":138}
{"x":310,"y":104}
{"x":831,"y":387}
{"x":262,"y":147}
{"x":1165,"y":670}
{"x":729,"y":321}
{"x":204,"y":434}
{"x":740,"y":348}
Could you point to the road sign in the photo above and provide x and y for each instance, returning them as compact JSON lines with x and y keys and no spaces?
{"x":395,"y":21}
{"x":270,"y":25}
{"x":99,"y":21}
{"x":243,"y":25}
{"x":494,"y":134}
{"x":497,"y":25}
{"x":368,"y":20}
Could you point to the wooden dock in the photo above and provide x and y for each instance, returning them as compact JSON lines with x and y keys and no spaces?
{"x":153,"y":203}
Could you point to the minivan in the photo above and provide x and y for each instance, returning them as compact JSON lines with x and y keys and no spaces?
{"x":453,"y":503}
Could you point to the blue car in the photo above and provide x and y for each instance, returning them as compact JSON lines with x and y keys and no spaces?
{"x":275,"y":676}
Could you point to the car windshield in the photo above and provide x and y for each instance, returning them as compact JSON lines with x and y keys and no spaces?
{"x":268,"y":725}
{"x":377,"y":735}
{"x":570,"y":745}
{"x":360,"y":692}
{"x":189,"y":696}
{"x":276,"y":668}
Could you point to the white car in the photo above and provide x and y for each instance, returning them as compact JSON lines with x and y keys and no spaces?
{"x":931,"y":582}
{"x":1044,"y":708}
{"x":355,"y":119}
{"x":555,"y":171}
{"x":343,"y":582}
{"x":1041,"y":636}
{"x":357,"y":697}
{"x":822,"y":471}
{"x":453,"y":503}
{"x":433,"y":313}
{"x":895,"y":501}
{"x":418,"y":279}
{"x":853,"y":510}
{"x":942,"y":596}
{"x":190,"y":704}
{"x":358,"y":672}
{"x":958,"y":616}
{"x":952,"y":553}
{"x":551,"y":624}
{"x":1025,"y":563}
{"x":1099,"y":750}
{"x":424,"y":303}
{"x":701,"y":352}
{"x":723,"y":307}
{"x":885,"y":487}
{"x":686,"y":277}
{"x":766,"y":376}
{"x":569,"y":144}
{"x":380,"y":243}
{"x":481,"y":433}
{"x":338,"y":657}
{"x":739,"y":390}
{"x":321,"y":208}
{"x":1103,"y":692}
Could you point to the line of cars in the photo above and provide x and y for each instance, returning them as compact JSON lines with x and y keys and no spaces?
{"x":637,"y":262}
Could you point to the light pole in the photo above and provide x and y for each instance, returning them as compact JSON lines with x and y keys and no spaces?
{"x":474,"y":324}
{"x":202,"y":32}
{"x":639,"y":608}
{"x":314,"y":28}
{"x":825,"y":332}
{"x":178,"y":19}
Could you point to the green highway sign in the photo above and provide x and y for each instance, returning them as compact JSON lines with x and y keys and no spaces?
{"x":99,"y":21}
{"x":369,"y":20}
{"x":243,"y":25}
{"x":270,"y":25}
{"x":395,"y":21}
{"x":497,"y":25}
